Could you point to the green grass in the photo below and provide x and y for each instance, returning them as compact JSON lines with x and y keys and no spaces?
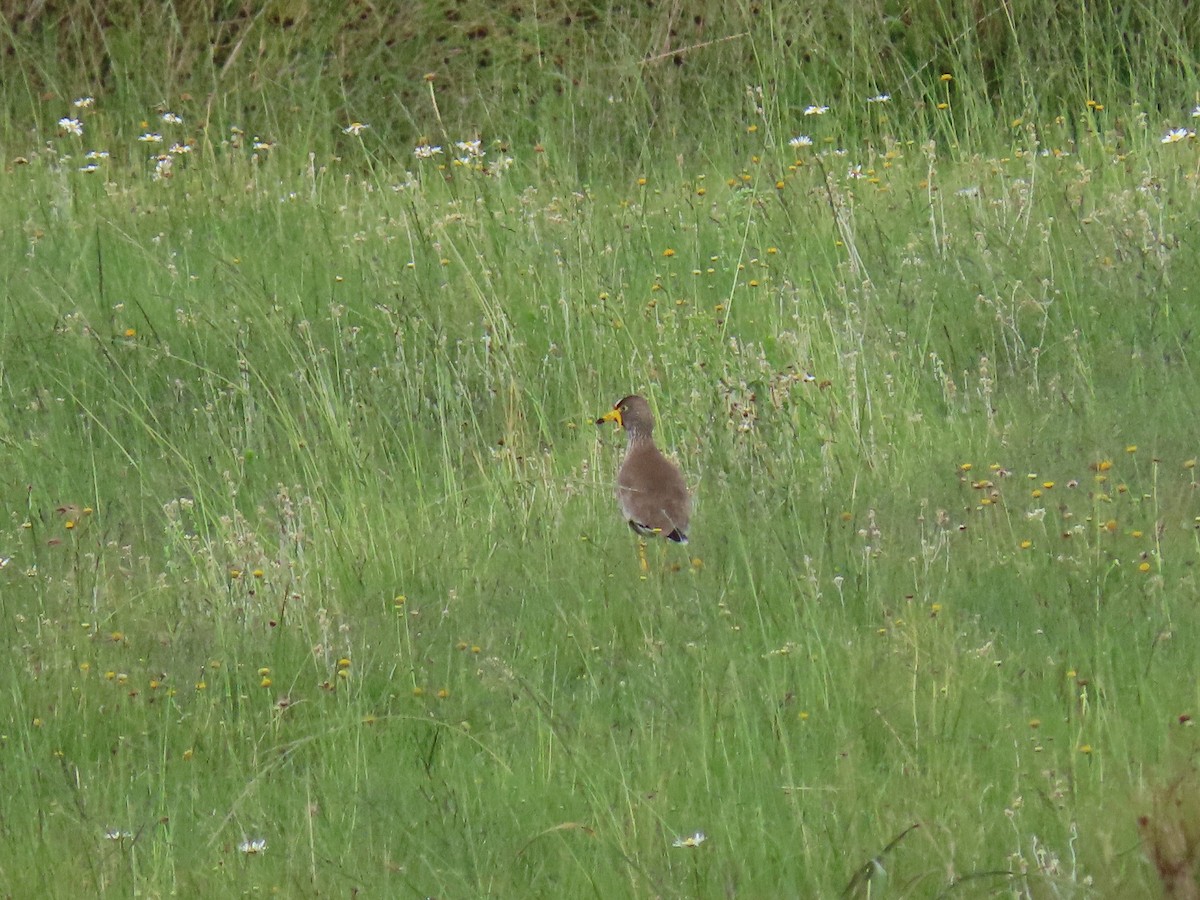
{"x":310,"y":536}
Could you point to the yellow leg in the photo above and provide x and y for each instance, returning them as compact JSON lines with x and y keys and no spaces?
{"x":645,"y":566}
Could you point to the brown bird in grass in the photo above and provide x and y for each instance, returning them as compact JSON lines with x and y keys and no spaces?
{"x":650,"y":488}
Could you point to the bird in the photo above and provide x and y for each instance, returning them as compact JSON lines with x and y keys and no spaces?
{"x":650,"y":490}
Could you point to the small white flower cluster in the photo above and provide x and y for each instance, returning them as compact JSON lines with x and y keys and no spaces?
{"x":164,"y":163}
{"x":820,"y":109}
{"x":471,"y":155}
{"x":72,"y":126}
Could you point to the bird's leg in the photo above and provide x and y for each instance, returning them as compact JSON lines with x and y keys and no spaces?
{"x":645,"y":566}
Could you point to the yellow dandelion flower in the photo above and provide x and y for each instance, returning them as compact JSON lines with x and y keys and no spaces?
{"x":946,"y":76}
{"x":1144,"y":567}
{"x":670,"y":251}
{"x":1026,"y":544}
{"x":1132,"y":448}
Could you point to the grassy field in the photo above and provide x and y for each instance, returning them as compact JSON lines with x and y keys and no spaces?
{"x":312,"y":578}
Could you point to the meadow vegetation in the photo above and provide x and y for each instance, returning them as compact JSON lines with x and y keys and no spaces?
{"x":312,"y":578}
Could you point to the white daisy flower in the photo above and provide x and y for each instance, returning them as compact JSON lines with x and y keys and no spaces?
{"x":816,"y":110}
{"x":71,"y":126}
{"x":692,"y":840}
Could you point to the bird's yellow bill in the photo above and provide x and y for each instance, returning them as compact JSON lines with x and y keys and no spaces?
{"x":613,"y":415}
